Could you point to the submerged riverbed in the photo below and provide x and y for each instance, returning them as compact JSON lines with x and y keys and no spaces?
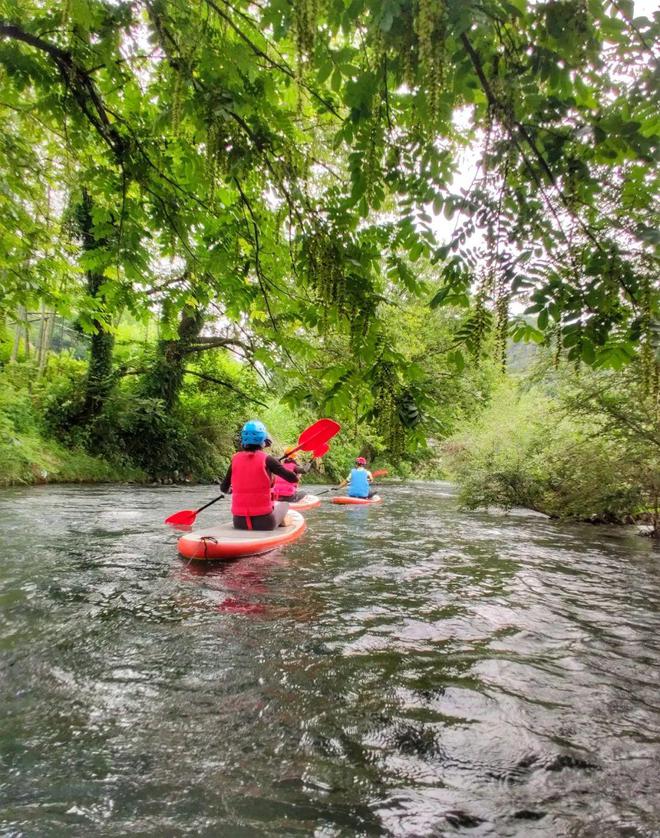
{"x":404,"y":669}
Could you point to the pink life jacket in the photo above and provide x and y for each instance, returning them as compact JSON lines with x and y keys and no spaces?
{"x":283,"y":489}
{"x":250,"y":484}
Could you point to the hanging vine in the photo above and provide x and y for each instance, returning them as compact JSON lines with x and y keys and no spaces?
{"x":324,"y":268}
{"x":177,"y":96}
{"x":409,"y":48}
{"x":502,"y":271}
{"x":306,"y":13}
{"x":430,"y":27}
{"x":66,"y":13}
{"x":387,"y":392}
{"x":372,"y":170}
{"x":331,"y":265}
{"x":217,"y":140}
{"x":211,"y":157}
{"x":649,"y":363}
{"x":502,"y":324}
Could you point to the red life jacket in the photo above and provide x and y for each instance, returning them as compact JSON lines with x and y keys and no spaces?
{"x":250,"y":484}
{"x":283,"y":489}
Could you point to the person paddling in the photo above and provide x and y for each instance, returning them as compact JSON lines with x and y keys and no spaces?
{"x":283,"y":490}
{"x":250,"y":478}
{"x":358,"y":480}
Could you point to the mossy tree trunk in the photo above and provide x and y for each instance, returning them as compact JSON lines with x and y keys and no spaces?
{"x":100,"y":380}
{"x":164,"y":378}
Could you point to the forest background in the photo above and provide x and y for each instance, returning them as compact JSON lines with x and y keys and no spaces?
{"x":435,"y":221}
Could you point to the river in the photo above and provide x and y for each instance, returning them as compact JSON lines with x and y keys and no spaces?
{"x":402,"y":670}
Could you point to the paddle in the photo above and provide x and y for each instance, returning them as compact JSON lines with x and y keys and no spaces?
{"x":316,"y":436}
{"x":379,"y":473}
{"x":312,"y":439}
{"x":186,"y":517}
{"x":320,"y":451}
{"x":317,"y":453}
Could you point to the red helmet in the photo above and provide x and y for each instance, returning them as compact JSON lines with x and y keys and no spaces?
{"x":360,"y":461}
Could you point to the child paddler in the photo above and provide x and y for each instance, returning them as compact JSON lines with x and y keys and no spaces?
{"x":250,"y":478}
{"x":284,"y":490}
{"x":359,"y":479}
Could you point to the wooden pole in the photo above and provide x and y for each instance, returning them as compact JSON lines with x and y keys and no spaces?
{"x":47,"y":336}
{"x":26,"y":326}
{"x":42,"y":330}
{"x":17,"y":337}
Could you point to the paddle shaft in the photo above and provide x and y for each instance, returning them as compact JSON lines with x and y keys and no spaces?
{"x":310,"y":446}
{"x":210,"y":503}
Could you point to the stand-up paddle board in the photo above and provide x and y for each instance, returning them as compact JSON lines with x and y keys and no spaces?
{"x":225,"y":542}
{"x":308,"y":502}
{"x":358,"y":501}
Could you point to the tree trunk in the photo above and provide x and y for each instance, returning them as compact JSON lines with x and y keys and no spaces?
{"x":165,"y":378}
{"x":45,"y":339}
{"x":42,"y":328}
{"x":99,"y":380}
{"x":26,"y":326}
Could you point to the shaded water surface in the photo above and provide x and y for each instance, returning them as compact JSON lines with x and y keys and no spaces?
{"x":404,"y":670}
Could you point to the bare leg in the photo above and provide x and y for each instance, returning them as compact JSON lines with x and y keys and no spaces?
{"x":279,"y":511}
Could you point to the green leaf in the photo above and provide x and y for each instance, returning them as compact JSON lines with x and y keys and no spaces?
{"x":439,"y":298}
{"x":588,"y":352}
{"x":457,"y":360}
{"x":324,"y":71}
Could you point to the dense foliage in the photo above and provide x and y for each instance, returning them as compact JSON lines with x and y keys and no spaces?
{"x":586,"y":449}
{"x":284,"y":183}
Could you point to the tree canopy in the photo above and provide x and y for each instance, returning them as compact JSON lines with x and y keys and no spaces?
{"x":279,"y":169}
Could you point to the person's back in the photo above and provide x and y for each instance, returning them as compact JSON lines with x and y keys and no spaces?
{"x":250,"y":484}
{"x":250,"y":476}
{"x":282,"y":489}
{"x":358,"y":482}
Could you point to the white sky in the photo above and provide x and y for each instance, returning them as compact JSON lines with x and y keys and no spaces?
{"x":645,"y":7}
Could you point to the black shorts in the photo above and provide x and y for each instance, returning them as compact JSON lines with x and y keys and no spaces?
{"x":291,"y":498}
{"x":259,"y":522}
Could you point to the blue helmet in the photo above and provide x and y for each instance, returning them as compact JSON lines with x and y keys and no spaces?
{"x":254,"y":433}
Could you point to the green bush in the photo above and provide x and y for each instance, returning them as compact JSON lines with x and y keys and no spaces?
{"x":16,"y":410}
{"x":58,"y":397}
{"x":27,"y":455}
{"x":163,"y":444}
{"x":531,"y":449}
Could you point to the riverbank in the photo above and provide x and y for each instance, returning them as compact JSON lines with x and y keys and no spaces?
{"x":30,"y":459}
{"x":576,"y":453}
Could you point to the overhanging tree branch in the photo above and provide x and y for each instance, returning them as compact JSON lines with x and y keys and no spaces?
{"x":226,"y":384}
{"x":79,"y":83}
{"x":271,"y":61}
{"x":203,"y":343}
{"x":522,"y":131}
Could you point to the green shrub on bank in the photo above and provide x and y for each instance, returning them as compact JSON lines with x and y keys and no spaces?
{"x":536,"y":450}
{"x":28,"y":456}
{"x":26,"y":459}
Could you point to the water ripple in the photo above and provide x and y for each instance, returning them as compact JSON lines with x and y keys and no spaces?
{"x":404,"y":670}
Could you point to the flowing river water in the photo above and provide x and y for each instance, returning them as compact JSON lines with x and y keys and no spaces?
{"x":404,"y":670}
